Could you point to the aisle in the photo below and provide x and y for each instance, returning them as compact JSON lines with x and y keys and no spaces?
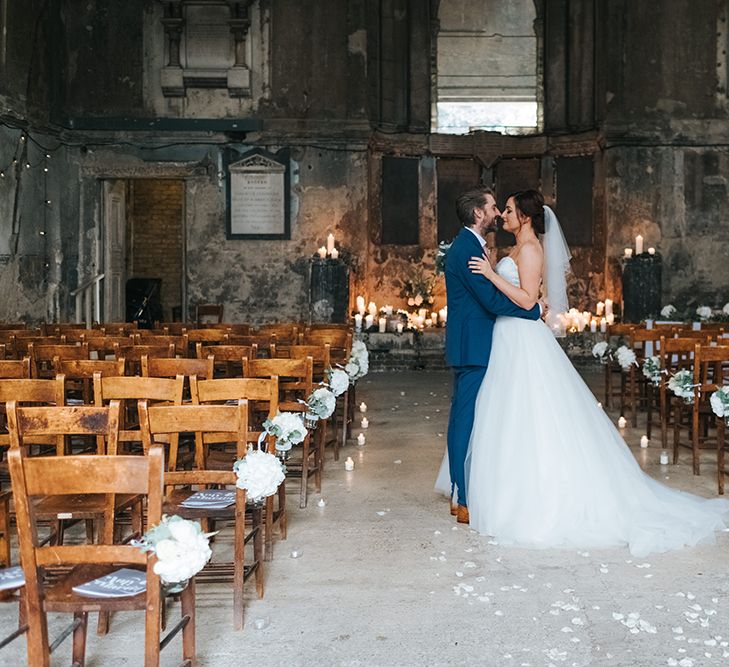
{"x":387,"y":577}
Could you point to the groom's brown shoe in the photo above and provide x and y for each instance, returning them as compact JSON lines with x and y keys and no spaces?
{"x":462,"y":515}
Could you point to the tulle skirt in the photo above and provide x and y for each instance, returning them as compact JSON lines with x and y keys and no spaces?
{"x":547,"y":468}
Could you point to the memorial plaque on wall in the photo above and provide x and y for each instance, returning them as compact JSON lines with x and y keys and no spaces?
{"x":208,"y":43}
{"x":258,"y":197}
{"x":513,"y":176}
{"x":454,"y":178}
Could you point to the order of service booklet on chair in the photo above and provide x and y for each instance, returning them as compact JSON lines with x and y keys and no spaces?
{"x":121,"y":583}
{"x":11,"y":577}
{"x":213,"y":499}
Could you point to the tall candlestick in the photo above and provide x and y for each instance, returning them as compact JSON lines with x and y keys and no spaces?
{"x":443,"y":315}
{"x":369,"y":321}
{"x":382,"y":324}
{"x":603,"y":325}
{"x":600,"y":308}
{"x":639,"y":245}
{"x":608,"y":307}
{"x":358,"y":321}
{"x":593,"y":326}
{"x":360,"y":304}
{"x":330,"y":244}
{"x":610,"y":318}
{"x":372,"y":308}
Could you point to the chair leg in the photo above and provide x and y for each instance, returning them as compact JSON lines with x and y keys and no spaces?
{"x":89,"y":531}
{"x":152,"y":629}
{"x":318,"y":460}
{"x":720,"y":455}
{"x":633,"y":398}
{"x":258,"y":550}
{"x":676,"y":431}
{"x":344,"y":425}
{"x":304,"y":490}
{"x":79,"y":639}
{"x":282,"y":523}
{"x":268,"y":532}
{"x":39,"y":652}
{"x":102,"y":625}
{"x":608,"y":386}
{"x":187,"y":602}
{"x":650,"y":397}
{"x":239,"y":567}
{"x":695,"y":450}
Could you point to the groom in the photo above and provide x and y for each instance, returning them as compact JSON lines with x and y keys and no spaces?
{"x":473,"y":304}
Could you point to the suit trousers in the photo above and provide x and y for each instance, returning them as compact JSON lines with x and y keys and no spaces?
{"x":466,"y":383}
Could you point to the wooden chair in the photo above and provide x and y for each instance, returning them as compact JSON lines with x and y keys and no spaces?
{"x":41,"y":357}
{"x":180,"y":342}
{"x":103,"y":347}
{"x":228,"y":359}
{"x":201,"y":419}
{"x":105,"y":476}
{"x":133,"y":355}
{"x":79,"y":374}
{"x":129,"y":391}
{"x":644,"y":343}
{"x":205,"y":312}
{"x":676,"y":354}
{"x":261,"y":340}
{"x":262,"y":397}
{"x":294,"y":383}
{"x":711,"y":372}
{"x":207,"y":336}
{"x":15,"y":369}
{"x":285,"y":333}
{"x":21,"y":344}
{"x":117,"y":328}
{"x":12,"y":326}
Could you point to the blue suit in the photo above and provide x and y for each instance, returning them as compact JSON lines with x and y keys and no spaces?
{"x":473,"y":305}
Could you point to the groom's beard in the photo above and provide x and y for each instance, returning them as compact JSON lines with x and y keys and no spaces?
{"x":496,"y":224}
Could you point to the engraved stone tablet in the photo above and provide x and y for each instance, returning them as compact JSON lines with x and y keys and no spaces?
{"x":257,"y":197}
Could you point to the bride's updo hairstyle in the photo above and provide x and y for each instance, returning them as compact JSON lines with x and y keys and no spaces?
{"x":530,"y":203}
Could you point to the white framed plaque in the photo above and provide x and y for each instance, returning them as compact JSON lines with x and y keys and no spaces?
{"x":258,"y":197}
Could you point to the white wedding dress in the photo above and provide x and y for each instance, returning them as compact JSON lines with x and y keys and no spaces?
{"x":547,"y":468}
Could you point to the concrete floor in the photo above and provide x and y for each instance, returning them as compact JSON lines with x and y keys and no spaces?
{"x":388,"y":578}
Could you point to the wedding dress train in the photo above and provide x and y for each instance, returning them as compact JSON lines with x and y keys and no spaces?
{"x":547,"y":468}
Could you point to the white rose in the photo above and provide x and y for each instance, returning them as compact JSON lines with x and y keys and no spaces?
{"x":260,"y":474}
{"x":725,"y":309}
{"x":166,"y":549}
{"x":599,"y":349}
{"x":717,"y":405}
{"x":668,"y":311}
{"x":626,"y":357}
{"x":338,"y":381}
{"x":704,"y":312}
{"x":183,"y":530}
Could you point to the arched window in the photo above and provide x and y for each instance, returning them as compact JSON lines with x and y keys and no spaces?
{"x":487,"y":67}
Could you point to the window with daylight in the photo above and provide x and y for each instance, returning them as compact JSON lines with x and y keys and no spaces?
{"x":487,"y":67}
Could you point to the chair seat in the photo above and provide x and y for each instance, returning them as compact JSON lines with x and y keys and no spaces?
{"x":80,"y":506}
{"x":59,"y":596}
{"x":172,"y":504}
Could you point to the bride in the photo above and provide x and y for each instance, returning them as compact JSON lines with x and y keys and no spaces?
{"x":546,"y":467}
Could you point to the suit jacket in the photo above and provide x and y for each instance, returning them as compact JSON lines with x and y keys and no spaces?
{"x":473,"y":304}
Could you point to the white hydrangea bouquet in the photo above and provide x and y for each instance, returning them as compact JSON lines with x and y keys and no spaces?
{"x":720,"y":403}
{"x":338,"y":381}
{"x":181,"y":548}
{"x":682,"y":385}
{"x":359,"y":362}
{"x":652,"y":370}
{"x":603,"y":351}
{"x":668,"y":311}
{"x":626,"y":357}
{"x":440,"y":257}
{"x":320,"y":405}
{"x":288,"y":428}
{"x":704,"y":312}
{"x":259,"y":473}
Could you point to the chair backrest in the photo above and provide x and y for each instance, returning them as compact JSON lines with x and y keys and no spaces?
{"x":79,"y":373}
{"x":136,"y":352}
{"x":295,"y":379}
{"x":262,"y":340}
{"x":169,"y":368}
{"x":286,"y":333}
{"x":698,"y":334}
{"x":208,"y":311}
{"x":129,"y":391}
{"x":117,"y":328}
{"x":36,"y":477}
{"x":260,"y":393}
{"x":15,"y":369}
{"x":677,"y":354}
{"x":320,"y":355}
{"x":207,"y":336}
{"x":335,"y":338}
{"x":180,"y":342}
{"x":12,"y":326}
{"x":711,"y":368}
{"x":105,"y":345}
{"x":199,"y":419}
{"x":41,"y":356}
{"x":228,"y":359}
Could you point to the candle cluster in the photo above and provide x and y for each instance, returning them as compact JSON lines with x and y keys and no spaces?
{"x":574,"y":320}
{"x":329,"y":250}
{"x":387,"y":319}
{"x":628,"y":252}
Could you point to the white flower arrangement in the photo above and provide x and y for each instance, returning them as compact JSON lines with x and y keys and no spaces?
{"x":652,"y":369}
{"x":182,"y":549}
{"x":704,"y":312}
{"x":338,"y":381}
{"x":725,"y":309}
{"x":440,"y":257}
{"x":668,"y":311}
{"x":720,"y":403}
{"x":359,"y":361}
{"x":602,"y":351}
{"x":321,"y":403}
{"x":681,"y":384}
{"x":259,"y":473}
{"x":288,"y":428}
{"x":626,"y":357}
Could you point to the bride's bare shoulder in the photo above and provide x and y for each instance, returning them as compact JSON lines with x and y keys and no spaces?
{"x":531,"y":254}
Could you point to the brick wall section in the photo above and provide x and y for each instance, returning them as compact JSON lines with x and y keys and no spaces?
{"x":154,"y":236}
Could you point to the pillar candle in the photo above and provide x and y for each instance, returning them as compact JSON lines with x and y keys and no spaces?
{"x":365,"y":422}
{"x":600,"y":308}
{"x":322,"y":252}
{"x":399,"y":327}
{"x":428,"y":322}
{"x":608,"y":307}
{"x":593,"y":326}
{"x":382,"y":325}
{"x":388,"y":311}
{"x":361,"y":439}
{"x":622,"y":423}
{"x":349,"y":464}
{"x":423,"y":312}
{"x":628,"y":253}
{"x":369,"y":321}
{"x":651,"y":251}
{"x":330,"y":244}
{"x":639,"y":245}
{"x":372,"y":308}
{"x":358,"y":321}
{"x":610,"y":319}
{"x":335,"y":253}
{"x":363,"y":407}
{"x":664,"y":458}
{"x":644,"y":441}
{"x":443,"y":314}
{"x":361,"y":304}
{"x":603,"y":325}
{"x":434,"y":317}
